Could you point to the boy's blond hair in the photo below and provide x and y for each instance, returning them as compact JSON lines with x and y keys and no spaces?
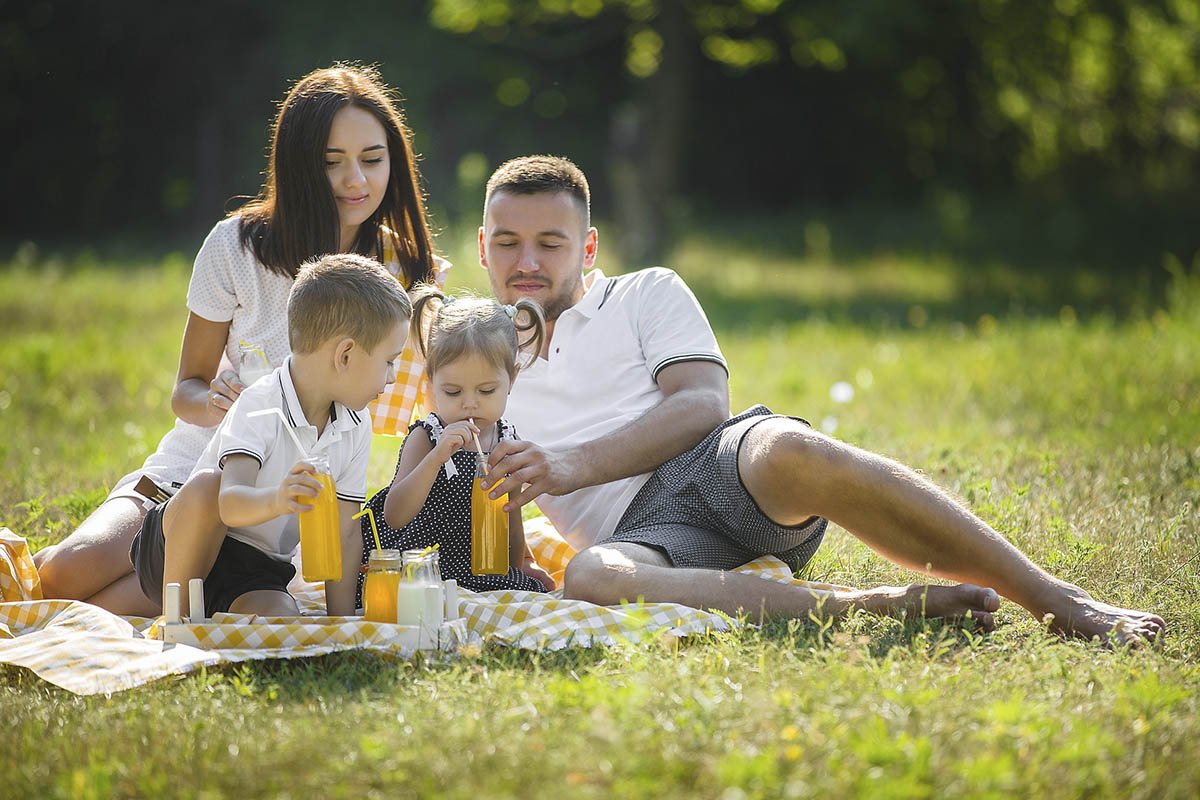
{"x":344,"y":295}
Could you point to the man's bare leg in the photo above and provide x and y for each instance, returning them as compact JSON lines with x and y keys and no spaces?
{"x":794,"y":472}
{"x":609,"y":573}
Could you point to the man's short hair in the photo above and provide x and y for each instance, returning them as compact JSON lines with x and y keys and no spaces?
{"x":344,"y":295}
{"x":539,"y":175}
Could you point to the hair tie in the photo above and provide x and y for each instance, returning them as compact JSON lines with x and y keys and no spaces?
{"x":447,"y":301}
{"x":510,"y":310}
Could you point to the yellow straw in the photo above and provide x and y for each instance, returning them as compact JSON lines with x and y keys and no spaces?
{"x":254,"y":349}
{"x":370,"y":512}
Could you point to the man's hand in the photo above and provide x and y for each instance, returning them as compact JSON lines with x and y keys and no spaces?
{"x":299,"y":485}
{"x":523,"y":470}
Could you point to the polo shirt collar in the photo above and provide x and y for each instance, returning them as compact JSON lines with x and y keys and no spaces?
{"x":593,"y":297}
{"x":340,"y":418}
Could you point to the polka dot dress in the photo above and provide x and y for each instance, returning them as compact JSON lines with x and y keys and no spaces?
{"x":445,"y":520}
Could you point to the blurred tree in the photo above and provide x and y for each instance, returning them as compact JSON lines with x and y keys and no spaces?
{"x":1064,"y":96}
{"x":147,"y":120}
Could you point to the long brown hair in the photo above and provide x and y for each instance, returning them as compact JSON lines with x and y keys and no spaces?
{"x":295,"y":217}
{"x":445,"y":329}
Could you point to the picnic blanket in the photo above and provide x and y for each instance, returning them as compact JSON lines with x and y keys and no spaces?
{"x":87,"y":650}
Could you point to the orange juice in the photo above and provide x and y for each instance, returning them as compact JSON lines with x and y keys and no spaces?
{"x":489,"y":532}
{"x":382,"y":585}
{"x":320,"y":537}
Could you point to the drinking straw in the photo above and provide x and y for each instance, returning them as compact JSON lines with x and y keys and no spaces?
{"x":478,"y":446}
{"x":370,"y":512}
{"x":255,"y":349}
{"x":286,"y":427}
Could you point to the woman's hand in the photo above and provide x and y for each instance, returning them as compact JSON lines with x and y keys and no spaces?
{"x":223,"y":390}
{"x":201,"y":395}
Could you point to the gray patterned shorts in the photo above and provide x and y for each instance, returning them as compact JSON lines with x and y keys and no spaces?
{"x":696,"y":510}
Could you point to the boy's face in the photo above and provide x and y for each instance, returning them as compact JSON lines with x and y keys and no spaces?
{"x":368,"y":373}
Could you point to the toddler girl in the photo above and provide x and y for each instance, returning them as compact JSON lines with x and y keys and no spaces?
{"x":471,"y":347}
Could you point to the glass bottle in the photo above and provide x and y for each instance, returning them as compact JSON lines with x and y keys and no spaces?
{"x":320,"y":537}
{"x":489,"y":528}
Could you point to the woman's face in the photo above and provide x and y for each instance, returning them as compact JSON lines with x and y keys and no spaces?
{"x":358,"y":165}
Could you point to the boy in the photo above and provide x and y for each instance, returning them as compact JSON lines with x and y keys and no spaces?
{"x":234,"y":522}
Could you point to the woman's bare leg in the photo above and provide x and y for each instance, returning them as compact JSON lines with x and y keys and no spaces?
{"x":92,"y":564}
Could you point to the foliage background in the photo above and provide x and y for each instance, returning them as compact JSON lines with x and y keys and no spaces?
{"x":1064,"y":132}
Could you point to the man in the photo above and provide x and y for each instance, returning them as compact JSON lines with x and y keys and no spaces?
{"x":631,"y":452}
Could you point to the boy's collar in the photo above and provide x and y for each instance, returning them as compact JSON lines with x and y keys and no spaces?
{"x":340,"y":417}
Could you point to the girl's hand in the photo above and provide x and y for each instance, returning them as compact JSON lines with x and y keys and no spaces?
{"x":457,"y":436}
{"x":223,"y":390}
{"x":297,"y":490}
{"x":533,"y":570}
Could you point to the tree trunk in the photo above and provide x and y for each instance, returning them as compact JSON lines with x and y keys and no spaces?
{"x":645,"y":145}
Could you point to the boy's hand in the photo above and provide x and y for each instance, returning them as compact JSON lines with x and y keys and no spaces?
{"x":533,"y":570}
{"x":457,"y":436}
{"x":298,"y":488}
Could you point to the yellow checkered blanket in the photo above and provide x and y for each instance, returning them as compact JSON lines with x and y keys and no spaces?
{"x":87,"y":650}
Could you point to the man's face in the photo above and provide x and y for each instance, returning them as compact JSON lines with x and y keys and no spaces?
{"x":537,"y":246}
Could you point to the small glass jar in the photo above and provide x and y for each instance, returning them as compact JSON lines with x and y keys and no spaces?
{"x":252,"y":363}
{"x":381,"y":586}
{"x":422,"y":567}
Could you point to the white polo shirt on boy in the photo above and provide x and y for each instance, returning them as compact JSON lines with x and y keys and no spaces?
{"x":601,"y":375}
{"x":346,"y":442}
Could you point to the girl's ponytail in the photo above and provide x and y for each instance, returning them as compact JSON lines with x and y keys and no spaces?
{"x":424,"y":296}
{"x":531,"y":330}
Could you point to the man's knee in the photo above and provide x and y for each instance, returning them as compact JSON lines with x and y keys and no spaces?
{"x":609,"y":574}
{"x":792,"y":446}
{"x":788,"y":468}
{"x":583,"y":578}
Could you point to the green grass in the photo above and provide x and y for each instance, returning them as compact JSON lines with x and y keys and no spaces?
{"x":1071,"y":426}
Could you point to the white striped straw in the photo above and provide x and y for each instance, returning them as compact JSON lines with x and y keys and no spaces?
{"x":286,"y":427}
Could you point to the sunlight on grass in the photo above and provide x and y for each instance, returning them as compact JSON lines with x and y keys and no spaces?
{"x":1076,"y":435}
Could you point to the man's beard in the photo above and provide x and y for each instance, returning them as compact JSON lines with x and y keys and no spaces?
{"x":559,"y":301}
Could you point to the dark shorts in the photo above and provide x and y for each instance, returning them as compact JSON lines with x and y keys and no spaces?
{"x":696,"y":510}
{"x":239,"y":568}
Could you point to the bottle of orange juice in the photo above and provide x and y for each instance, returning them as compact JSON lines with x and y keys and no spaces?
{"x":381,"y":586}
{"x":489,"y":528}
{"x":320,"y":536}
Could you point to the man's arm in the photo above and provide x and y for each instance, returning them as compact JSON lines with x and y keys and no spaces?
{"x":695,"y":400}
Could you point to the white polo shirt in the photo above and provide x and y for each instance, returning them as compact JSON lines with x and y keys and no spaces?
{"x":346,"y":442}
{"x":601,"y":375}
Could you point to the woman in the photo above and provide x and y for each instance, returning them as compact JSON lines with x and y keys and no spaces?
{"x":341,"y":177}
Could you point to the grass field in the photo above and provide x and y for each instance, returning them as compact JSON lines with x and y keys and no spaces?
{"x":1067,"y":420}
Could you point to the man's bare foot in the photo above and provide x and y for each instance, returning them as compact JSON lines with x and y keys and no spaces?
{"x":1077,"y":613}
{"x":949,"y":602}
